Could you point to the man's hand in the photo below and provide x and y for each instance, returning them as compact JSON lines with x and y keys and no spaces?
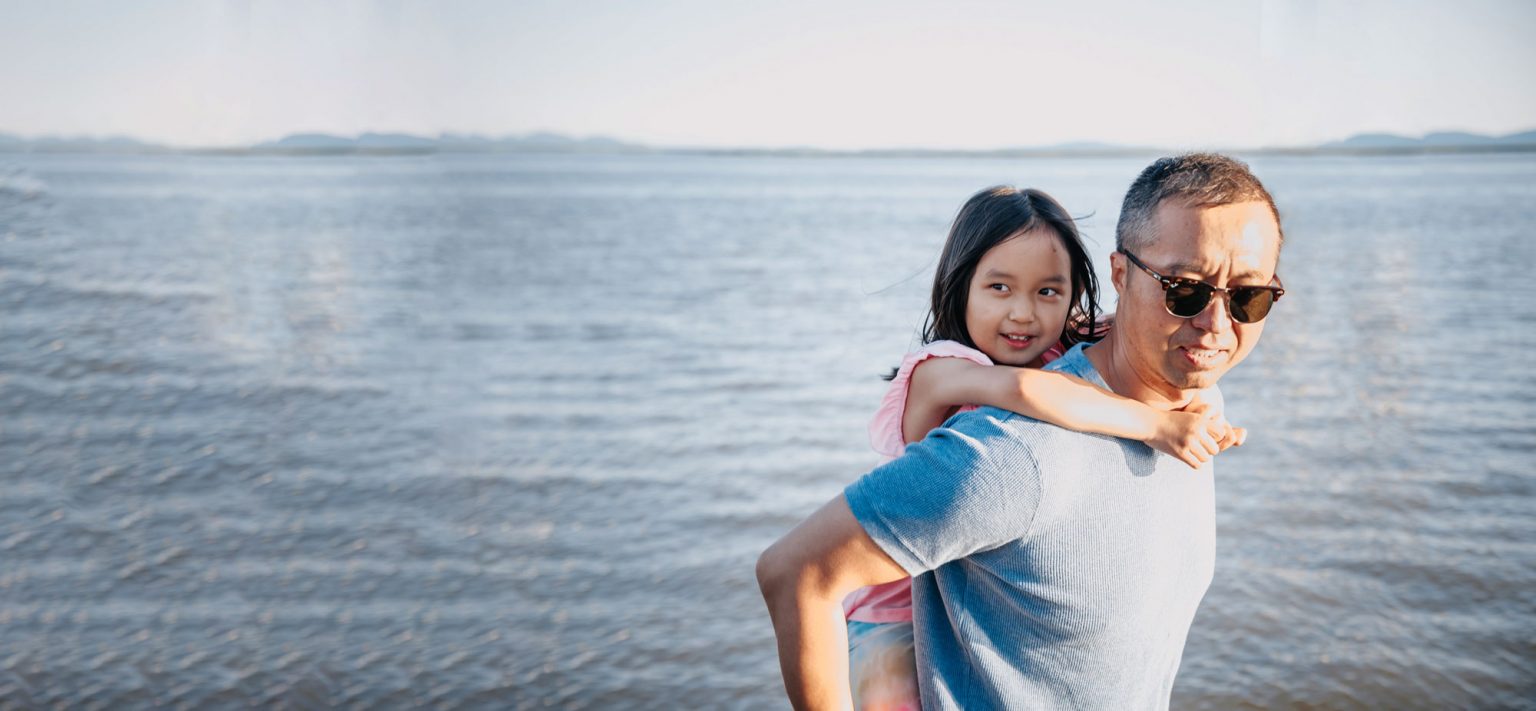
{"x":804,"y":578}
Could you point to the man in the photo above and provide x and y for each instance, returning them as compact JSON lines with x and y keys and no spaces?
{"x":1054,"y":569}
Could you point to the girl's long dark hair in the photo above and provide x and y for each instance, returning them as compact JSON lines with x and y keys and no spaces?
{"x":988,"y":219}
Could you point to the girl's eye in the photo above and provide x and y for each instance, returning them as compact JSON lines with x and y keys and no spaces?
{"x":1050,"y":291}
{"x":1000,"y":288}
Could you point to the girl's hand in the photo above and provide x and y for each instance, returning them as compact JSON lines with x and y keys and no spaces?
{"x":1196,"y":434}
{"x":1226,"y":435}
{"x":1191,"y":437}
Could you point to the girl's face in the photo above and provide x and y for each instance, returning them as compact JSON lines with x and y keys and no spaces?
{"x":1019,"y":298}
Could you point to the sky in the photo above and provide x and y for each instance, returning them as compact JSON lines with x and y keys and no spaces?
{"x":824,"y":73}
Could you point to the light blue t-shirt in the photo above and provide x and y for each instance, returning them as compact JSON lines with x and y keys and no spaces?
{"x":1052,"y":569}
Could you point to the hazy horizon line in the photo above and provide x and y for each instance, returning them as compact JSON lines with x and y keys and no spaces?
{"x":1367,"y":141}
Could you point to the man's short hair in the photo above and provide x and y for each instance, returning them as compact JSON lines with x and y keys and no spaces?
{"x":1196,"y":180}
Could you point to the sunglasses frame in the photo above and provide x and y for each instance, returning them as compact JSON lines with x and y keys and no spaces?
{"x":1170,"y":282}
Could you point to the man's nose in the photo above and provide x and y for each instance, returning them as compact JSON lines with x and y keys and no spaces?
{"x":1216,"y":317}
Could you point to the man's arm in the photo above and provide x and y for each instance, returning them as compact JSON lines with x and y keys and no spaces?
{"x":945,"y":498}
{"x":804,"y":578}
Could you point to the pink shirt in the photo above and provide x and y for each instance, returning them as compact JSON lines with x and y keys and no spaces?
{"x":892,"y":602}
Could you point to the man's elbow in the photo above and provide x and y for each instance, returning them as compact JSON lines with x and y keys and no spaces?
{"x":775,"y":574}
{"x":815,"y":562}
{"x":786,"y":578}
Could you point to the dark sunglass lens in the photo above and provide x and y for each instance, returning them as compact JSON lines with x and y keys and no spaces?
{"x":1250,"y":305}
{"x":1186,"y":300}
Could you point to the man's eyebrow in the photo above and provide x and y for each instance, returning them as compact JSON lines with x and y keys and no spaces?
{"x":1186,"y":268}
{"x":1182,"y":267}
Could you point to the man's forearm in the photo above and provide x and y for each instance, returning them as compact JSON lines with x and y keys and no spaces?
{"x":813,"y":650}
{"x":804,"y":577}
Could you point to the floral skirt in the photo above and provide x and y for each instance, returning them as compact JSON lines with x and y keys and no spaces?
{"x":882,"y":666}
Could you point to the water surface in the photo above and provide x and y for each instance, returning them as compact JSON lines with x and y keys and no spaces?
{"x":509,"y":431}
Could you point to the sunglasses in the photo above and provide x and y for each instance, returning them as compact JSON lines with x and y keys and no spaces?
{"x":1186,"y":298}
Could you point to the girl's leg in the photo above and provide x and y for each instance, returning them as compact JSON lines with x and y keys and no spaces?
{"x":882,"y":666}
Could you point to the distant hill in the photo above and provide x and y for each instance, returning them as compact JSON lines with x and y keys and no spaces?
{"x":1438,"y":141}
{"x":547,"y":142}
{"x":1373,"y":140}
{"x":1457,"y":138}
{"x":308,"y":141}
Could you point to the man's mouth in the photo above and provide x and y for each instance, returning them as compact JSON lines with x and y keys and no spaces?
{"x":1202,"y":357}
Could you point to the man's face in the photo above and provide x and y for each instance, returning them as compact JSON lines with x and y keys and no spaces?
{"x":1230,"y":245}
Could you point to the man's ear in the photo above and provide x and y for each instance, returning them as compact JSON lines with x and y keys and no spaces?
{"x":1118,"y":270}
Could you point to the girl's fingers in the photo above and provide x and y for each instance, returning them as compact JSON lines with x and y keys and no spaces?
{"x":1212,"y":447}
{"x":1233,"y":437}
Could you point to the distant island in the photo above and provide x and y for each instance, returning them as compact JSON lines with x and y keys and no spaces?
{"x":546,"y":142}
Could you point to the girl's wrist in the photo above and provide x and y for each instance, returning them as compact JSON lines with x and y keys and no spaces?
{"x":1152,"y":421}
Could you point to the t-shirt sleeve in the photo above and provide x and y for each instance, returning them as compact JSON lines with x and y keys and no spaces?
{"x":969,"y":486}
{"x":885,"y":427}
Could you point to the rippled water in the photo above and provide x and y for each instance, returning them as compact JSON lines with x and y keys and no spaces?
{"x":508,"y":432}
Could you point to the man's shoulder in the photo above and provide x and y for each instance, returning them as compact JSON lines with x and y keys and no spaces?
{"x":987,"y":421}
{"x":990,"y":430}
{"x":991,"y":426}
{"x":1075,"y":362}
{"x":985,"y":438}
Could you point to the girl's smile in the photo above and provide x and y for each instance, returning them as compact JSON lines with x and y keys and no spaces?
{"x":1019,"y":341}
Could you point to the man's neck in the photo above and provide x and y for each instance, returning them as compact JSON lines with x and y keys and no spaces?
{"x":1123,"y":378}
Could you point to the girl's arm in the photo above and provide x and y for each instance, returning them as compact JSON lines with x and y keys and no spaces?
{"x":939,"y":385}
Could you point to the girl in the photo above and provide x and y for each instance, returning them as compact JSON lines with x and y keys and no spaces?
{"x":1014,"y":287}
